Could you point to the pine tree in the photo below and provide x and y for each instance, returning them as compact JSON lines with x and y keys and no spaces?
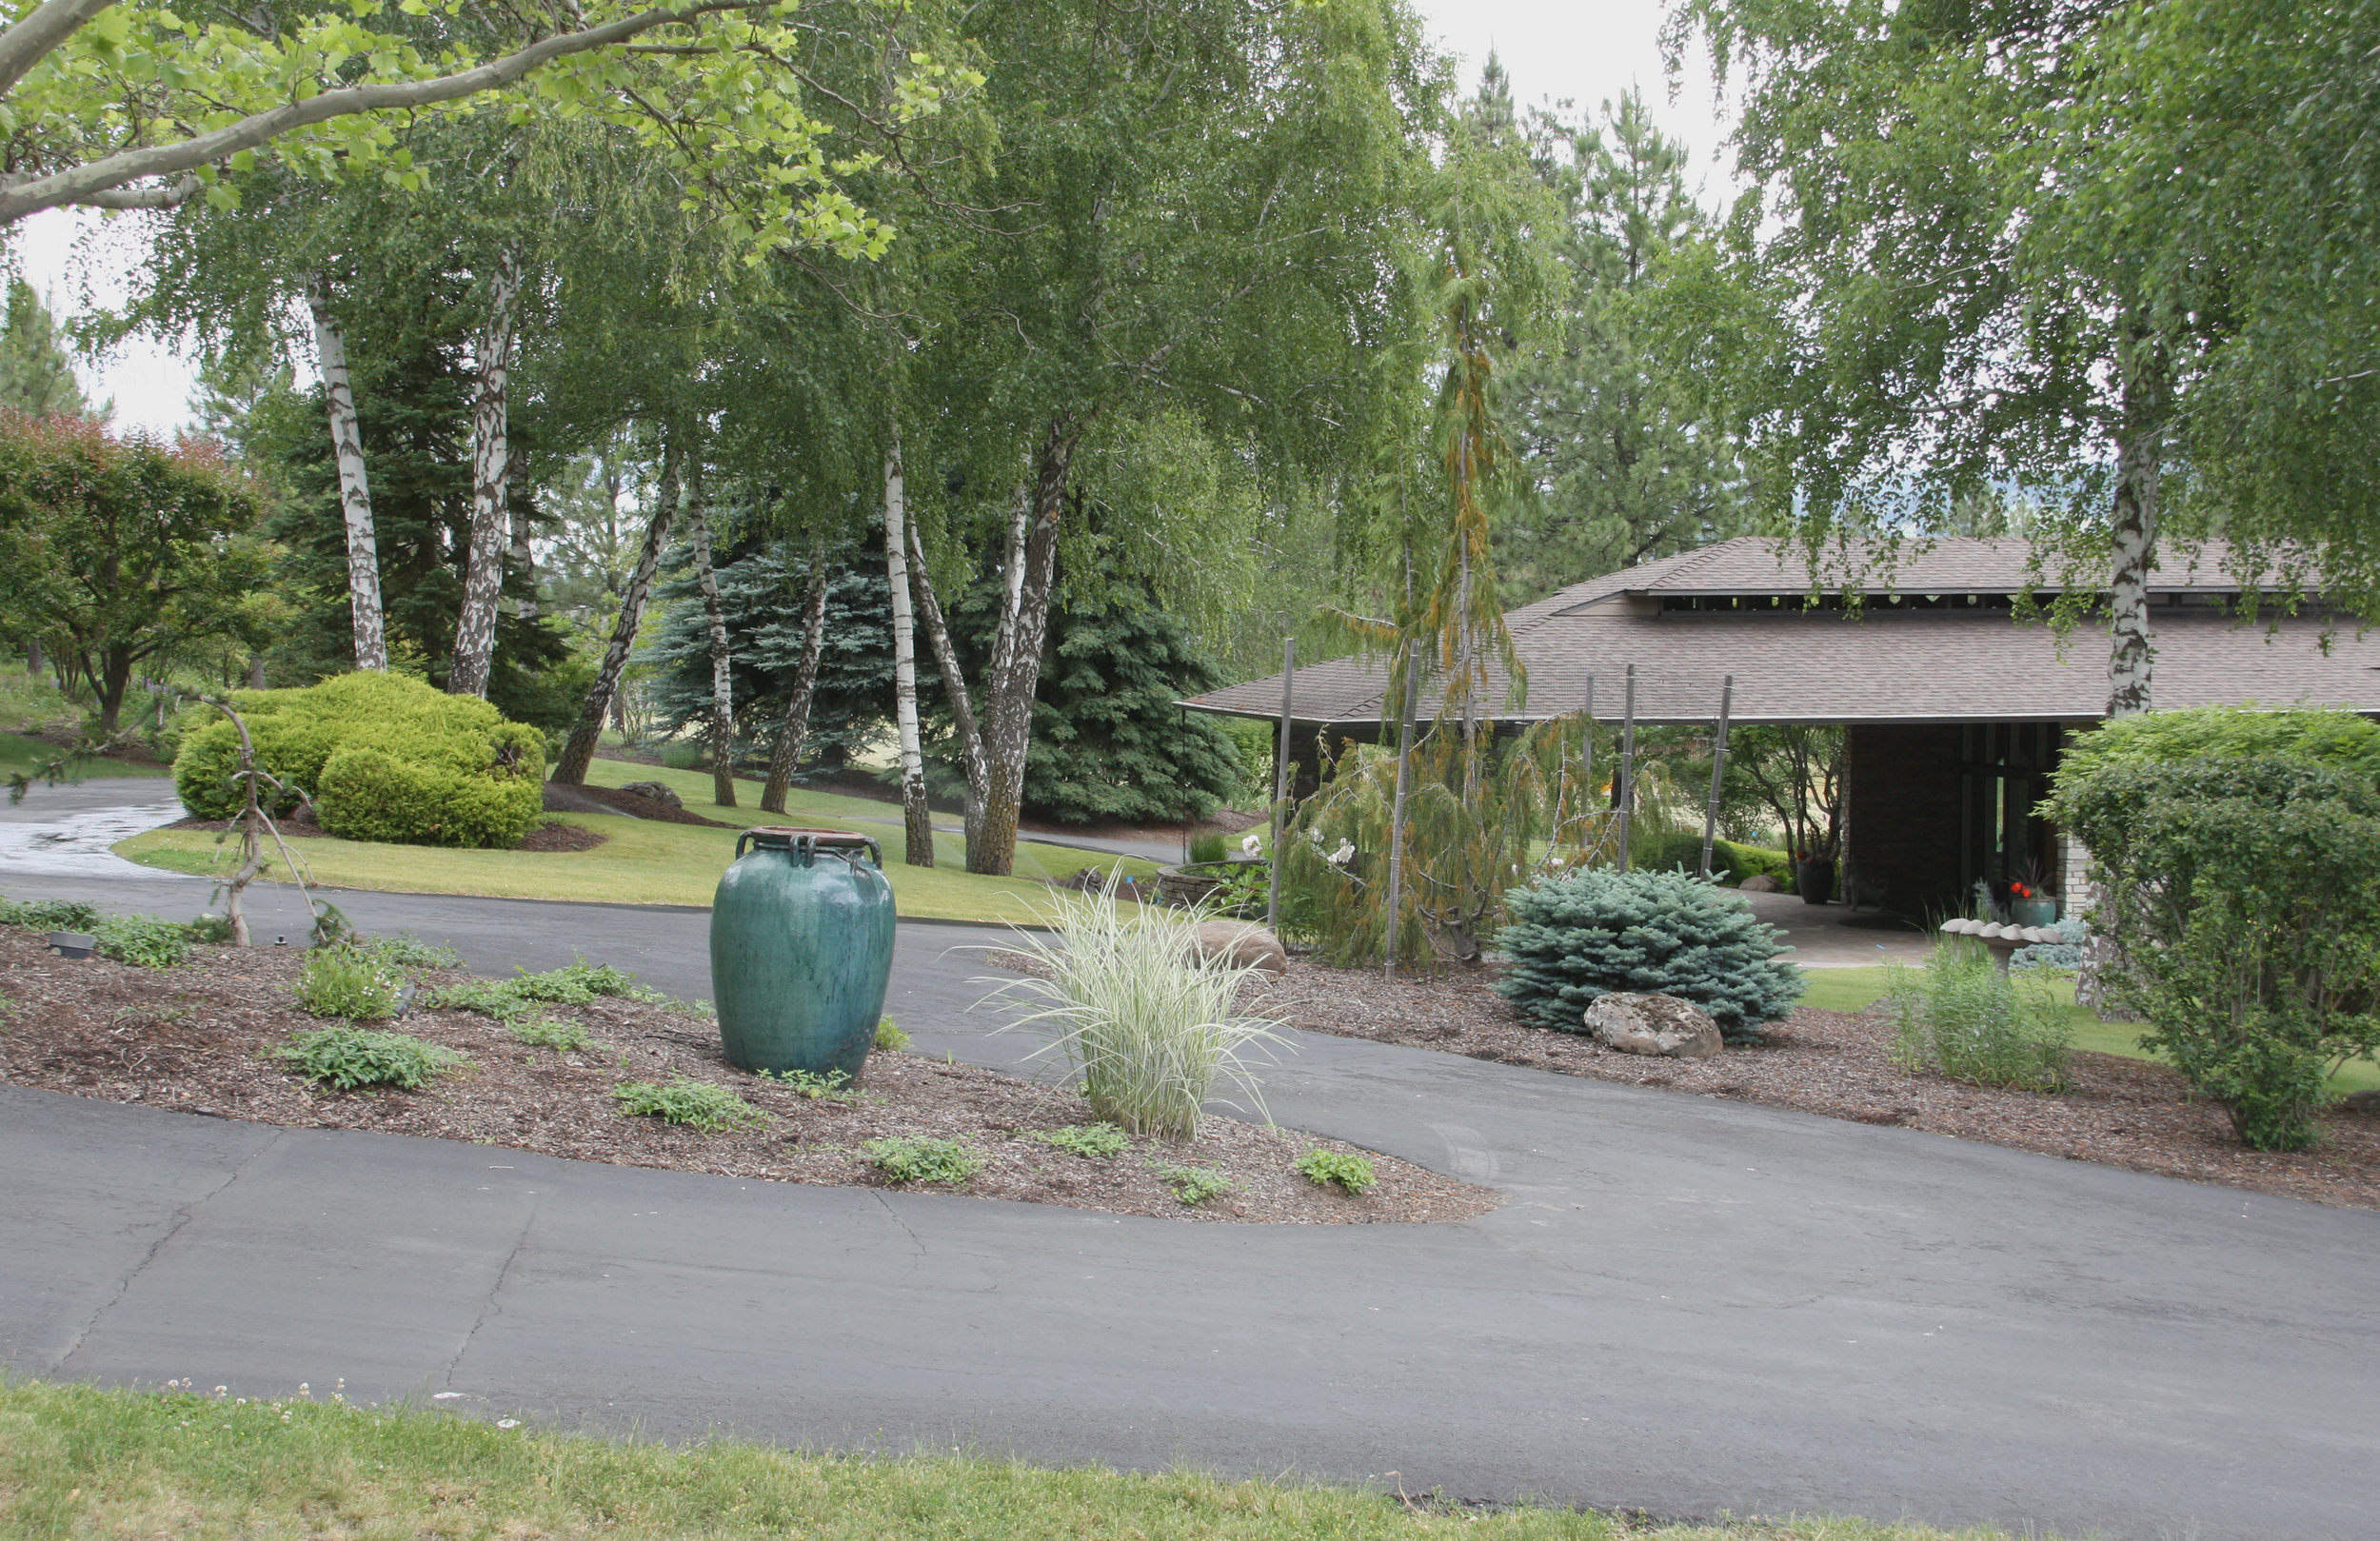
{"x":36,"y":378}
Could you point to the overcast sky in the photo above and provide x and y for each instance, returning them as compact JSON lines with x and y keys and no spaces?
{"x":1583,"y":51}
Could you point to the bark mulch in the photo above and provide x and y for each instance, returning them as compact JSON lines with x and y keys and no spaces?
{"x":197,"y":1038}
{"x":560,"y":798}
{"x":2120,"y":1112}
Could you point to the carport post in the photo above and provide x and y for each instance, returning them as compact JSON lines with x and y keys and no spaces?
{"x":1628,"y":768}
{"x":1718,"y":767}
{"x":1586,"y":758}
{"x":1280,"y":783}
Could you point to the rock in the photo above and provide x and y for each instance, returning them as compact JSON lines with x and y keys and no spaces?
{"x":656,"y":791}
{"x":2368,"y":1102}
{"x":1652,"y":1024}
{"x":1759,"y":883}
{"x":1242,"y":941}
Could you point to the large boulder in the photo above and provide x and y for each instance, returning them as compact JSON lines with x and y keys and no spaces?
{"x":1243,"y":942}
{"x":655,"y":791}
{"x":1652,"y":1024}
{"x":1759,"y":883}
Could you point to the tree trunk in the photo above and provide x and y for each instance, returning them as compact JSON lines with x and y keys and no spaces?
{"x":34,"y":659}
{"x":571,"y":770}
{"x":954,"y":683}
{"x":491,"y":464}
{"x":917,"y":819}
{"x":722,"y":662}
{"x":355,"y":493}
{"x":524,"y":558}
{"x":2139,"y":454}
{"x":256,"y":673}
{"x":108,"y":686}
{"x":1016,"y":671}
{"x":785,"y":757}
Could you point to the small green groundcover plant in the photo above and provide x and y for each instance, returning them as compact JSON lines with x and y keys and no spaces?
{"x":545,"y":1032}
{"x":1962,"y":1017}
{"x":143,"y":940}
{"x":1587,"y":934}
{"x":579,"y":983}
{"x":346,"y":981}
{"x":682,"y":1100}
{"x":1193,"y":1185}
{"x":1083,"y":1139}
{"x":49,"y":915}
{"x":905,"y":1159}
{"x":889,"y":1035}
{"x":819,"y":1086}
{"x":1350,"y":1171}
{"x":348,"y":1058}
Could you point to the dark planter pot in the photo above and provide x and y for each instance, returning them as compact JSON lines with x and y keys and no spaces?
{"x":801,"y":934}
{"x":1814,"y":881}
{"x":2032,"y":911}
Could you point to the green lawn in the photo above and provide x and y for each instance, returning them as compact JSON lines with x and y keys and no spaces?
{"x":1856,"y":989}
{"x":80,"y":1462}
{"x":21,"y":756}
{"x":645,"y":862}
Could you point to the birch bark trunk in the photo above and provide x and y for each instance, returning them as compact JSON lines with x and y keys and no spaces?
{"x":723,"y":662}
{"x":1016,"y":671}
{"x":524,"y":557}
{"x":954,"y":683}
{"x":571,"y":770}
{"x":917,"y":819}
{"x":491,"y":464}
{"x":355,"y":493}
{"x":2139,"y":455}
{"x":785,"y":756}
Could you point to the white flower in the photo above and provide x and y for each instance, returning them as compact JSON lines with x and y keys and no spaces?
{"x":1253,"y":844}
{"x":507,"y":1423}
{"x":1345,"y":854}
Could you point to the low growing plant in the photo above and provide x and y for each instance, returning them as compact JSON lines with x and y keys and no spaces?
{"x":210,"y":930}
{"x":344,"y":981}
{"x":905,"y":1159}
{"x":1353,"y":1173}
{"x":888,"y":1035}
{"x":697,"y":1104}
{"x":408,"y":952}
{"x":1588,"y":933}
{"x":1193,"y":1185}
{"x":831,"y":1086}
{"x":1147,"y":1025}
{"x":49,"y":915}
{"x":551,"y":1033}
{"x":348,"y":1057}
{"x":1962,"y":1017}
{"x":143,"y":940}
{"x":1083,"y":1139}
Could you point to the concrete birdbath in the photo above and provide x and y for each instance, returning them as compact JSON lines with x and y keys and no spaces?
{"x":2002,"y":940}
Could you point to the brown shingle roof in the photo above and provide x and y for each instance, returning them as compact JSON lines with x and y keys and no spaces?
{"x":1824,"y":666}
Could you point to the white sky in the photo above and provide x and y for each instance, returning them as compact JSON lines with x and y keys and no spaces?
{"x":1583,"y":51}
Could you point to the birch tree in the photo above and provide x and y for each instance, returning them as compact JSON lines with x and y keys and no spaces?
{"x":578,"y":752}
{"x":355,"y":493}
{"x":916,"y":821}
{"x":784,"y":756}
{"x":491,"y":470}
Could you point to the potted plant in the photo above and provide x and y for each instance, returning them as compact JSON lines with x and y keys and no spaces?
{"x":2028,"y":905}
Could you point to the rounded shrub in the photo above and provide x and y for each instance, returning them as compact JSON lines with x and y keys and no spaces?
{"x":1584,"y":935}
{"x":385,"y":757}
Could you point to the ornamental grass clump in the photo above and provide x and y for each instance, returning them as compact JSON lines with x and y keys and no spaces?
{"x":1585,"y":935}
{"x":1962,"y":1017}
{"x":1146,"y":1024}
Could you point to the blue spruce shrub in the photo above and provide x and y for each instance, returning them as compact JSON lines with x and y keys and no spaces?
{"x":1593,"y":932}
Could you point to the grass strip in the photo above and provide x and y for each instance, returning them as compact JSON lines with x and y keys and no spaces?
{"x":83,"y":1462}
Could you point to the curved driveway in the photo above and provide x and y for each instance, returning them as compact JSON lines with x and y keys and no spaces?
{"x":1687,"y":1305}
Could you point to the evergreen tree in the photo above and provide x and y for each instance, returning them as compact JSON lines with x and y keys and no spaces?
{"x":35,"y":376}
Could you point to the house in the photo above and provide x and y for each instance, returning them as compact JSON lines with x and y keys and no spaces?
{"x":1954,"y":710}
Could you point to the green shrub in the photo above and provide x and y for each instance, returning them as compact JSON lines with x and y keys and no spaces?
{"x":2240,"y":895}
{"x":1732,"y":861}
{"x":2340,"y":739}
{"x":685,"y":1100}
{"x":888,"y":1035}
{"x":143,"y":940}
{"x":408,"y":952}
{"x":1962,"y":1017}
{"x":1083,"y":1139}
{"x":49,"y":915}
{"x":1667,"y":850}
{"x":915,"y":1158}
{"x":1193,"y":1185}
{"x":833,"y":1086}
{"x":489,"y":998}
{"x":1584,"y":935}
{"x":386,"y":758}
{"x":1353,"y":1173}
{"x":344,"y":981}
{"x":574,"y":984}
{"x":1206,"y":847}
{"x":348,"y":1058}
{"x":210,"y":930}
{"x":683,"y":754}
{"x":551,"y":1033}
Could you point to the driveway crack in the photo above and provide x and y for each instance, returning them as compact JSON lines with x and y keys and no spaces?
{"x":493,"y":1305}
{"x":183,"y":1215}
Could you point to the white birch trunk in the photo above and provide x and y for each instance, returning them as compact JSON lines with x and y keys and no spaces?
{"x":491,"y":464}
{"x":917,"y":819}
{"x":784,"y":756}
{"x":722,"y":662}
{"x":2139,"y":454}
{"x":1016,"y":672}
{"x":355,"y":493}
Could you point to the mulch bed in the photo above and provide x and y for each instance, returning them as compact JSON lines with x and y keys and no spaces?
{"x":197,"y":1038}
{"x":552,"y":834}
{"x":2120,"y":1112}
{"x":611,"y":800}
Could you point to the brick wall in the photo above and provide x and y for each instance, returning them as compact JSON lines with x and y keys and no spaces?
{"x":1901,"y":816}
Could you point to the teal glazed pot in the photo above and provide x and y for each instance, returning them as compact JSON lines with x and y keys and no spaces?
{"x":802,"y":939}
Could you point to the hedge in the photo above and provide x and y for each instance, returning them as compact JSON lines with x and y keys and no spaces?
{"x":385,"y":757}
